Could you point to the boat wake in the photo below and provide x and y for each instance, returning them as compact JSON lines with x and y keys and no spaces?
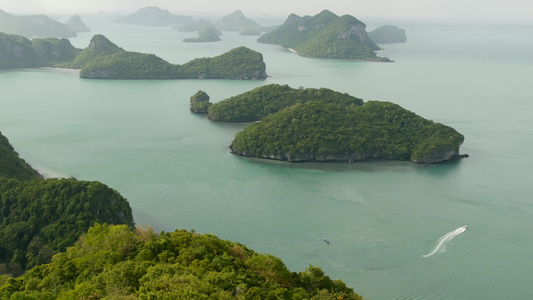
{"x":445,"y":239}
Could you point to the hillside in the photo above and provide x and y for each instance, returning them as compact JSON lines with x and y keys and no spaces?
{"x":32,"y":26}
{"x":11,"y":165}
{"x":388,"y":34}
{"x":102,"y":59}
{"x":324,"y":35}
{"x":262,"y":101}
{"x":115,"y":262}
{"x":153,"y":16}
{"x":41,"y":217}
{"x":320,"y":131}
{"x":238,"y":63}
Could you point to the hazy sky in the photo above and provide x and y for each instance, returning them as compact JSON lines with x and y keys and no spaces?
{"x":493,"y":11}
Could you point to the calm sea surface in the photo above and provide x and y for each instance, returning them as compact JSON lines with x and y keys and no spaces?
{"x":381,"y":218}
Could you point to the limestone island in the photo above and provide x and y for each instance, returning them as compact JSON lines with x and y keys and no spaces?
{"x":102,"y":59}
{"x":299,"y":125}
{"x":34,"y":26}
{"x":205,"y":36}
{"x":388,"y":34}
{"x":325,"y":35}
{"x":153,"y":16}
{"x":237,"y":21}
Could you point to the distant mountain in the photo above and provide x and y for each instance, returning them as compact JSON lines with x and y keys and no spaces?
{"x":388,"y":34}
{"x":324,"y":35}
{"x":76,"y":24}
{"x":207,"y":35}
{"x":154,"y":16}
{"x":33,"y":26}
{"x":235,"y":21}
{"x":199,"y":26}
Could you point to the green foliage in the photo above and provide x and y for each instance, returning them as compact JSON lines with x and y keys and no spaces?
{"x":115,"y":262}
{"x":129,"y":65}
{"x":388,"y":34}
{"x":16,"y":52}
{"x":41,"y":217}
{"x":327,"y":131}
{"x":238,"y":63}
{"x":343,"y":38}
{"x":200,"y":102}
{"x":11,"y":165}
{"x":99,"y":46}
{"x":52,"y":51}
{"x":262,"y":101}
{"x":325,"y":35}
{"x":105,"y":60}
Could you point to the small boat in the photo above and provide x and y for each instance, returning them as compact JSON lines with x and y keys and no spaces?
{"x":325,"y":241}
{"x":464,"y":227}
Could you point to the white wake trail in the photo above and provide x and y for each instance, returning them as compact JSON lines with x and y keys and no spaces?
{"x":445,"y":239}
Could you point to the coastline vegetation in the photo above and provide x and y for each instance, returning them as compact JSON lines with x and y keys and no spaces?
{"x":102,"y":59}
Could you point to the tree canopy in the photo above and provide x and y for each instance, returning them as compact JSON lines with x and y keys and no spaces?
{"x":262,"y":101}
{"x":320,"y":131}
{"x":41,"y":217}
{"x":102,"y":59}
{"x":115,"y":262}
{"x":325,"y":35}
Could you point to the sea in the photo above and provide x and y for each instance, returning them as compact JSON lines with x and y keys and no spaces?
{"x":395,"y":229}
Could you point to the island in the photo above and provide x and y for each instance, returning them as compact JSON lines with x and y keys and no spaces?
{"x":31,"y":26}
{"x":325,"y":35}
{"x":268,"y":99}
{"x":198,"y":26}
{"x":236,"y":21}
{"x":200,"y":102}
{"x":98,"y":253}
{"x":321,"y":131}
{"x":153,"y":16}
{"x":388,"y":34}
{"x":102,"y":59}
{"x":205,"y":36}
{"x":76,"y":24}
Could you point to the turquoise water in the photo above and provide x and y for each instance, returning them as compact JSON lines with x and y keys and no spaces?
{"x":380,"y":217}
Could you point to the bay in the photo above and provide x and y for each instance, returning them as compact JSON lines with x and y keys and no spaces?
{"x":380,"y":217}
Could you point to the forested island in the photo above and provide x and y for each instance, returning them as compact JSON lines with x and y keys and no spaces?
{"x":102,"y":59}
{"x":58,"y":241}
{"x":324,"y":125}
{"x":268,"y":99}
{"x":325,"y":35}
{"x":34,"y":26}
{"x":388,"y":34}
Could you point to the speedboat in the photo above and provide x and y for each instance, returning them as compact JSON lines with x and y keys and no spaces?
{"x":464,"y":227}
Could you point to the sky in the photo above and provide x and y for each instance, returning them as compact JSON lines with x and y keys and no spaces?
{"x":487,"y":11}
